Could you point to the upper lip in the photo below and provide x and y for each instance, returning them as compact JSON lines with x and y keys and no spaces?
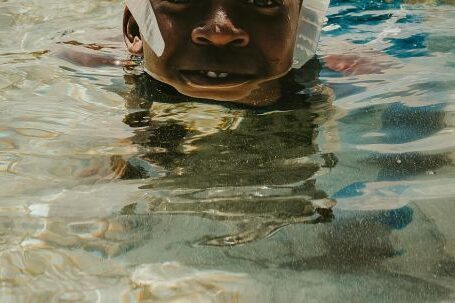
{"x":235,"y":61}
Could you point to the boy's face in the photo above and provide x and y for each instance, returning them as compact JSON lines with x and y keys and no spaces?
{"x":224,"y":49}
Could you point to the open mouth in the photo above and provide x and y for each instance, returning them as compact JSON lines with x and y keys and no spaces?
{"x":214,"y":78}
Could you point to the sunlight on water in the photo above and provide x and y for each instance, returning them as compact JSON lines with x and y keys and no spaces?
{"x":115,"y":189}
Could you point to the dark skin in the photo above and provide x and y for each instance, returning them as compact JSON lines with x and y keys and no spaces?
{"x":250,"y":43}
{"x":226,"y":37}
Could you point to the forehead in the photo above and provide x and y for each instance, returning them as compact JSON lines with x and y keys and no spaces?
{"x":249,"y":11}
{"x":257,"y":2}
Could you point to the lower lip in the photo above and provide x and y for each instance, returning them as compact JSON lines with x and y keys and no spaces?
{"x":198,"y":79}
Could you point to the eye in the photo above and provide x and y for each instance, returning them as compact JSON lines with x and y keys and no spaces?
{"x":265,"y":3}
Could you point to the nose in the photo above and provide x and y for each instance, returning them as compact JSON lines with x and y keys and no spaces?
{"x":220,"y":31}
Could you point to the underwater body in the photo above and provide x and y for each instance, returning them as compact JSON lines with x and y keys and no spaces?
{"x":115,"y":188}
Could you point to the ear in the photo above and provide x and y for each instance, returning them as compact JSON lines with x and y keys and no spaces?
{"x":131,"y":33}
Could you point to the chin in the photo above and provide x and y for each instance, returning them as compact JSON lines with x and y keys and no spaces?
{"x":237,"y":95}
{"x":257,"y":92}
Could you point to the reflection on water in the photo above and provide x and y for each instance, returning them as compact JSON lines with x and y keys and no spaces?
{"x":114,"y":188}
{"x":252,"y":167}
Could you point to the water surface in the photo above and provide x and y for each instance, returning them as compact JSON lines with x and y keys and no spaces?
{"x":115,"y":189}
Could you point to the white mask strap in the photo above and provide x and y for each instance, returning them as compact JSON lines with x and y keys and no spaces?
{"x":144,"y":15}
{"x":312,"y":17}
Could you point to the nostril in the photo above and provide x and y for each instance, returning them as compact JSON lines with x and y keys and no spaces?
{"x":202,"y":40}
{"x":220,"y":36}
{"x":239,"y":42}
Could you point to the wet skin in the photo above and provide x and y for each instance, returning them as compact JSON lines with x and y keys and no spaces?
{"x":228,"y":50}
{"x":248,"y":47}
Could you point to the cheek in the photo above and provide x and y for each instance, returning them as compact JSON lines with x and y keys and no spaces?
{"x":277,"y":47}
{"x":175,"y":35}
{"x":275,"y":39}
{"x":278,"y":42}
{"x":161,"y":66}
{"x":156,"y":66}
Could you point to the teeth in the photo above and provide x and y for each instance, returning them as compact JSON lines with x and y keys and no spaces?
{"x":212,"y":74}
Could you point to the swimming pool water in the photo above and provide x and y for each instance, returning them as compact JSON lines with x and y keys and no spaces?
{"x":115,"y":189}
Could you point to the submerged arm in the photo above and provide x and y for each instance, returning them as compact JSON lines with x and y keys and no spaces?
{"x":354,"y":59}
{"x":87,"y":58}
